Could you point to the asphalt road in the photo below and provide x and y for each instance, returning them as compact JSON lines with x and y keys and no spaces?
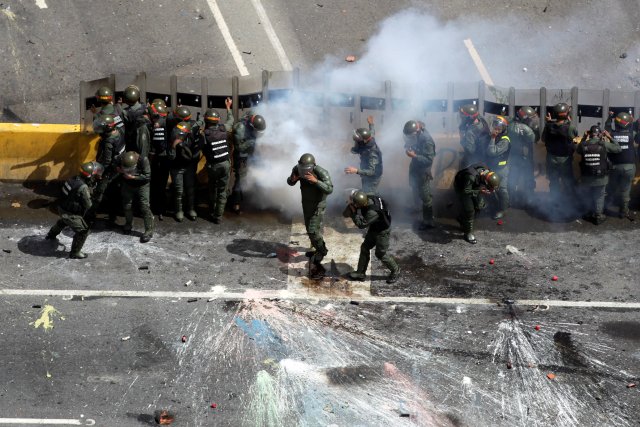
{"x":458,"y":341}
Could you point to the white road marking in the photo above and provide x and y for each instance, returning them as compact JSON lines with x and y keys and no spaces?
{"x":47,"y":421}
{"x":271,"y":34}
{"x":41,"y":4}
{"x":479,"y":65}
{"x":226,"y":34}
{"x":293,"y":295}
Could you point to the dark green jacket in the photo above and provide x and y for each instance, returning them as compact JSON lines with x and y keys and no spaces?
{"x":314,"y":194}
{"x":425,"y":150}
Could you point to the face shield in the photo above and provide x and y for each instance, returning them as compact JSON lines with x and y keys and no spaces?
{"x":304,"y":169}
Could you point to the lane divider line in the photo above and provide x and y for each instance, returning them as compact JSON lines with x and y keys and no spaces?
{"x":47,"y":421}
{"x":271,"y":34}
{"x":478,"y":61}
{"x":226,"y":34}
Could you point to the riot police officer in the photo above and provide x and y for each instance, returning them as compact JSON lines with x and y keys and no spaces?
{"x":159,"y":157}
{"x":104,"y":95}
{"x":370,"y":169}
{"x":594,"y":168}
{"x":522,"y":135}
{"x":135,"y":123}
{"x":498,"y":161}
{"x":246,"y":131}
{"x":420,"y":147}
{"x":474,"y":134}
{"x":136,"y":174}
{"x":471,"y":184}
{"x":74,"y":204}
{"x":371,"y":212}
{"x":184,"y":155}
{"x":315,"y":186}
{"x":216,"y":150}
{"x":624,"y":162}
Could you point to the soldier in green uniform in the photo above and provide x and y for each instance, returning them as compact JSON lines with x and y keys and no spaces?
{"x":371,"y":212}
{"x":159,"y":157}
{"x":498,"y":161}
{"x":471,"y":184}
{"x":74,"y":204}
{"x":216,"y":150}
{"x":594,"y":168}
{"x":370,"y":169}
{"x":110,"y":148}
{"x":315,"y":186}
{"x":136,"y":174}
{"x":421,"y":148}
{"x":249,"y":128}
{"x":474,"y":134}
{"x":104,"y":95}
{"x":624,"y":162}
{"x":135,"y":124}
{"x":558,"y":138}
{"x":184,"y":155}
{"x":522,"y":181}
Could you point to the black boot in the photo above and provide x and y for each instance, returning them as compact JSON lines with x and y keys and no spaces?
{"x":76,"y":246}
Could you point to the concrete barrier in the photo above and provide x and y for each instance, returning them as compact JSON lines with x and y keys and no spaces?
{"x":43,"y":152}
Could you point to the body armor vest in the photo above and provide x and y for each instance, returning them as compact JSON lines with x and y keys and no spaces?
{"x":594,"y":160}
{"x":216,"y":147}
{"x":380,"y":206}
{"x":628,"y":154}
{"x":499,"y":162}
{"x":558,"y":141}
{"x":160,"y":138}
{"x":71,"y":198}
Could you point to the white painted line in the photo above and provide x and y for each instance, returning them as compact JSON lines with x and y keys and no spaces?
{"x":293,"y":295}
{"x":41,"y":4}
{"x":271,"y":34}
{"x":226,"y":34}
{"x":479,"y":65}
{"x":47,"y":421}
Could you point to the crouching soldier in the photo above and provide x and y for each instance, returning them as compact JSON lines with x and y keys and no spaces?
{"x":371,"y":212}
{"x":74,"y":204}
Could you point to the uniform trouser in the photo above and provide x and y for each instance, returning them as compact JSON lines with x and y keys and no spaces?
{"x":77,"y":224}
{"x":160,"y":166}
{"x":218,"y":174}
{"x":594,"y":193}
{"x":313,"y":218}
{"x":421,"y":186}
{"x":503,"y":191}
{"x":239,"y":174}
{"x":109,"y":187}
{"x":522,"y":182}
{"x":141,"y":195}
{"x":560,"y":174}
{"x":370,"y":185}
{"x":470,"y":205}
{"x":620,"y":180}
{"x":380,"y":241}
{"x":184,"y":180}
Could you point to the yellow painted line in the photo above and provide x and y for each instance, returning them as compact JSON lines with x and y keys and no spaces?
{"x":478,"y":61}
{"x":39,"y":127}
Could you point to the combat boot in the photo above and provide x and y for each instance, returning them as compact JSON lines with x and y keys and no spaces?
{"x":51,"y":236}
{"x":192,"y":215}
{"x":356,"y":275}
{"x":146,"y":237}
{"x":599,"y":219}
{"x":469,"y":237}
{"x":76,"y":246}
{"x":309,"y":254}
{"x":393,"y":276}
{"x":498,"y":215}
{"x":179,"y":215}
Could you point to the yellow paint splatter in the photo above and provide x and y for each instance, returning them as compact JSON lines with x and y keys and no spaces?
{"x":8,"y":14}
{"x":46,"y":318}
{"x":48,"y":374}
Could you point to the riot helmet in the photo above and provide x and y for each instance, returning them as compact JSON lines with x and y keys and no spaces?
{"x":499,"y":125}
{"x":595,"y":131}
{"x":258,"y":123}
{"x":211,"y":116}
{"x":411,"y":128}
{"x":104,"y":95}
{"x":184,"y":127}
{"x":183,"y":113}
{"x":624,"y":119}
{"x":525,"y":113}
{"x":159,"y":101}
{"x":492,"y":180}
{"x":362,"y":136}
{"x":131,"y":94}
{"x":130,"y":159}
{"x":104,"y":124}
{"x":561,"y":110}
{"x":469,"y":112}
{"x":306,"y":164}
{"x":360,"y":199}
{"x":157,"y":109}
{"x":92,"y":170}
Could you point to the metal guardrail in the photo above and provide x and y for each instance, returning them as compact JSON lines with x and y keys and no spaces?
{"x":200,"y":93}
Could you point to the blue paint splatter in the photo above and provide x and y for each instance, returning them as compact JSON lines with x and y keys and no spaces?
{"x":263,"y":335}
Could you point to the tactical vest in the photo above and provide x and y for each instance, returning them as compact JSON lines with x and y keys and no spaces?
{"x":117,"y":148}
{"x":71,"y":200}
{"x":594,"y":160}
{"x":384,"y":216}
{"x":372,"y":147}
{"x":628,"y":154}
{"x":499,"y":162}
{"x":131,"y":123}
{"x":558,"y":141}
{"x":473,"y":171}
{"x":160,"y":138}
{"x":216,"y":147}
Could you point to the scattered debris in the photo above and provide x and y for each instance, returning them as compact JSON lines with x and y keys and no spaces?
{"x":8,"y":251}
{"x":143,"y":267}
{"x":537,"y":327}
{"x":293,"y":242}
{"x":211,"y":299}
{"x":247,"y":52}
{"x":405,"y":415}
{"x":354,"y":302}
{"x":319,"y":5}
{"x":554,"y":278}
{"x":127,"y":338}
{"x":350,"y":58}
{"x":214,"y":405}
{"x":492,"y":261}
{"x":623,"y":55}
{"x":328,"y":408}
{"x":509,"y":365}
{"x":192,"y":300}
{"x":189,"y":282}
{"x":184,"y":338}
{"x":631,"y":385}
{"x":15,"y":205}
{"x":524,"y":69}
{"x":551,"y":376}
{"x":272,"y":255}
{"x":164,"y":418}
{"x":36,"y":306}
{"x":500,"y":222}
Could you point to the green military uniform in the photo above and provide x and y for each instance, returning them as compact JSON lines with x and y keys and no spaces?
{"x":370,"y":170}
{"x":216,"y":149}
{"x":244,"y":144}
{"x":314,"y":203}
{"x":522,"y":183}
{"x":184,"y":161}
{"x":474,"y":138}
{"x":420,"y":176}
{"x":378,"y":225}
{"x":160,"y":165}
{"x":558,"y":139}
{"x":73,"y":205}
{"x":624,"y":165}
{"x":468,"y":186}
{"x":131,"y":115}
{"x":498,"y":161}
{"x":137,"y":186}
{"x":115,"y":111}
{"x":110,"y":147}
{"x":594,"y":173}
